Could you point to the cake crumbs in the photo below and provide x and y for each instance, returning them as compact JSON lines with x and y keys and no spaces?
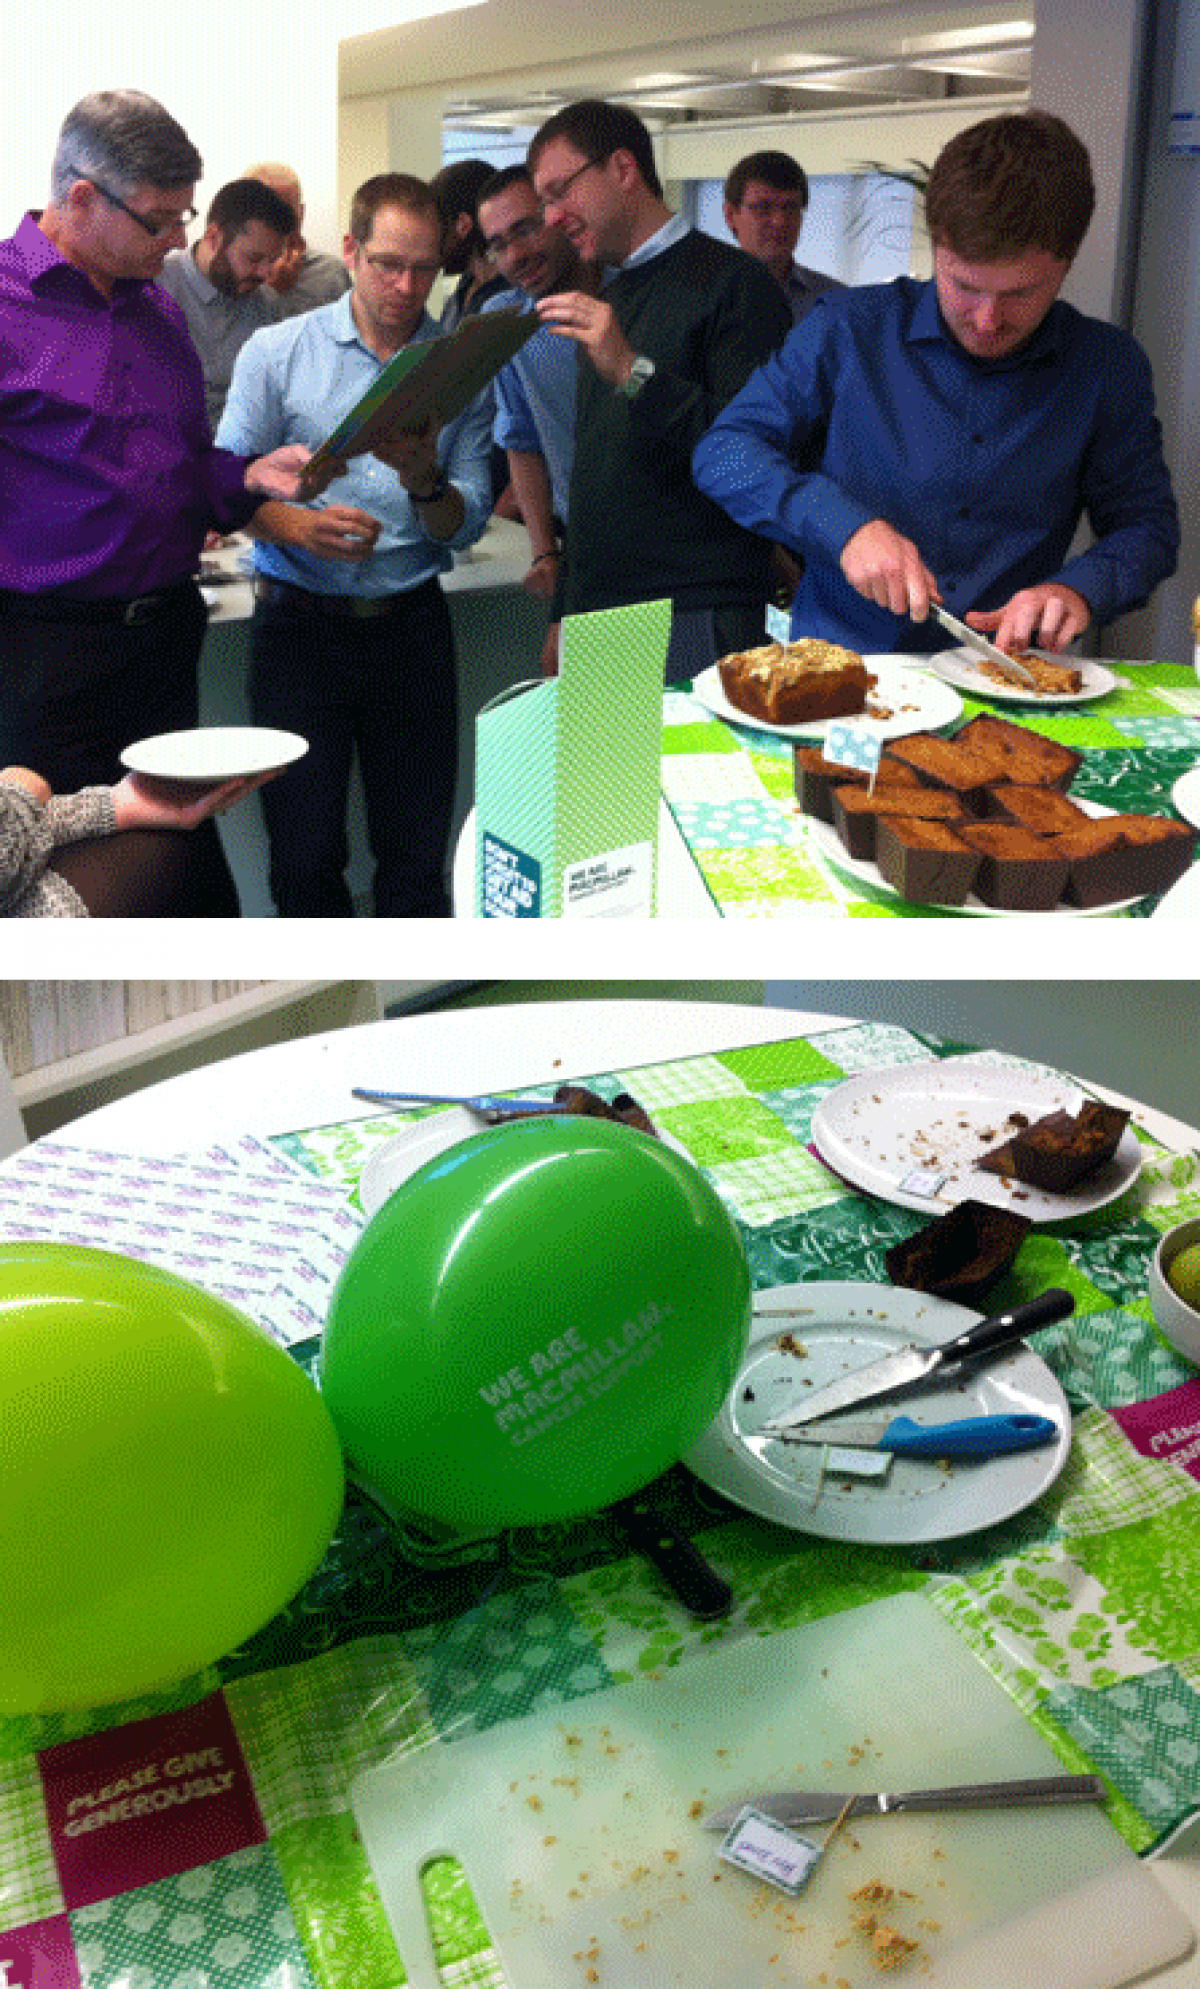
{"x":787,"y":1343}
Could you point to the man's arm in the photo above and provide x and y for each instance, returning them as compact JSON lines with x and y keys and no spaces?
{"x":531,"y":485}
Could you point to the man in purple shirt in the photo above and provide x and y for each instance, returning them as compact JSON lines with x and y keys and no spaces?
{"x":109,"y":480}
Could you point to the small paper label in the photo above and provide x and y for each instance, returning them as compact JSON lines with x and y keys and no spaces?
{"x":779,"y":624}
{"x":512,"y":882}
{"x":770,"y":1850}
{"x":616,"y":884}
{"x":924,"y":1181}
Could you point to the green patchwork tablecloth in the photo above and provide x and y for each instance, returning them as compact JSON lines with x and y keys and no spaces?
{"x":730,"y":789}
{"x":1085,"y":1607}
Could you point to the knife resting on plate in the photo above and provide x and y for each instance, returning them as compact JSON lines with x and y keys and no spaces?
{"x":790,"y":1806}
{"x":1017,"y":672}
{"x":918,"y":1363}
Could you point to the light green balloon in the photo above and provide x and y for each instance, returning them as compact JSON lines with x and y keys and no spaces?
{"x":537,"y":1322}
{"x":1184,"y":1275}
{"x":170,"y":1478}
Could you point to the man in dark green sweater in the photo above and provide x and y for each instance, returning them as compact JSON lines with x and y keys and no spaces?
{"x":677,"y":329}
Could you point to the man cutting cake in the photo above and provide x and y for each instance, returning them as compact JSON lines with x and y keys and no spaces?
{"x":970,"y":423}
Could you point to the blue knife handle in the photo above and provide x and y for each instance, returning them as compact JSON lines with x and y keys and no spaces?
{"x":975,"y":1436}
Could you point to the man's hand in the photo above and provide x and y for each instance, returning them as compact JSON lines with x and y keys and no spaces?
{"x":542,"y":577}
{"x":889,"y":570}
{"x":1045,"y":617}
{"x":334,"y":531}
{"x":140,"y":802}
{"x":412,"y":454}
{"x":278,"y":475}
{"x":592,"y":324}
{"x":283,"y":273}
{"x":550,"y":651}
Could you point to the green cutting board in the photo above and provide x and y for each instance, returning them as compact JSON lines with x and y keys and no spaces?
{"x":579,"y":1829}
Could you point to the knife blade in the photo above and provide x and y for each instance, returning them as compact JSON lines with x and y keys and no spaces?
{"x":972,"y":1436}
{"x":916,"y":1363}
{"x":1018,"y":672}
{"x":791,"y":1806}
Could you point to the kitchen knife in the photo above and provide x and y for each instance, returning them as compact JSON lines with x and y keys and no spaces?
{"x":1018,"y":672}
{"x":481,"y":1103}
{"x":792,"y":1806}
{"x":916,"y":1363}
{"x":973,"y":1436}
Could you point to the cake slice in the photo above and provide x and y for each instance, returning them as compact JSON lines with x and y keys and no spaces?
{"x":856,"y":812}
{"x":815,"y":778}
{"x":794,"y":682}
{"x":925,"y":860}
{"x":961,"y":1253}
{"x":1124,"y":856}
{"x":961,"y":770}
{"x":1057,"y":1151}
{"x":1019,"y":871}
{"x":1042,"y":809}
{"x":1025,"y":755}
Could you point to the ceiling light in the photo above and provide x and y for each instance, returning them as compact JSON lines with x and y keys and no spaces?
{"x":366,"y":17}
{"x":1001,"y":34}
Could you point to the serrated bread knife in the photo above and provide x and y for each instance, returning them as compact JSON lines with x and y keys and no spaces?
{"x":790,"y":1806}
{"x":916,"y":1363}
{"x":1019,"y":673}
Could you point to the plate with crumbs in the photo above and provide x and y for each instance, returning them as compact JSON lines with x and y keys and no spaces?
{"x":904,"y":700}
{"x":912,"y":1135}
{"x":969,"y":672}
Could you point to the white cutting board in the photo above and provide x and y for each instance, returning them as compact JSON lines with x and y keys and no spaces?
{"x":576,"y":1831}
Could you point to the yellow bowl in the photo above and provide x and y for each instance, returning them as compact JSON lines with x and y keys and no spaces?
{"x":1175,"y":1318}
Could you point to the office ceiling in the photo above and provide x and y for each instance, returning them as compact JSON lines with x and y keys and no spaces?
{"x":784,"y":58}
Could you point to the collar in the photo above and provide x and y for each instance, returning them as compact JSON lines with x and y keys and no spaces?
{"x":672,"y":231}
{"x":343,"y":330}
{"x":1049,"y":339}
{"x":45,"y":262}
{"x":194,"y":277}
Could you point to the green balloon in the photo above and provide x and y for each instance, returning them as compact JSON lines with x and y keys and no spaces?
{"x":170,"y":1477}
{"x":536,"y":1323}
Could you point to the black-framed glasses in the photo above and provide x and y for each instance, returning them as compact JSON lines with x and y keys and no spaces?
{"x":553,"y":196}
{"x":156,"y":229}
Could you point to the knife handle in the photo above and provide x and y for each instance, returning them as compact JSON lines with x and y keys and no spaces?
{"x":1003,"y":1795}
{"x":1000,"y":1329}
{"x":974,"y":1436}
{"x":679,"y":1561}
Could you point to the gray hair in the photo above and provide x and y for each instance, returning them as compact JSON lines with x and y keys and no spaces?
{"x":127,"y":140}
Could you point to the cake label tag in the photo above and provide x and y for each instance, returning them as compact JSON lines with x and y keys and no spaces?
{"x":617,"y":884}
{"x":779,"y":624}
{"x":756,"y":1843}
{"x":851,"y":745}
{"x":512,"y":882}
{"x":928,"y":1181}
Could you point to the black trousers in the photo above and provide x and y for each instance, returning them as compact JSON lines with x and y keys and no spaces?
{"x":383,"y":687}
{"x":74,"y":694}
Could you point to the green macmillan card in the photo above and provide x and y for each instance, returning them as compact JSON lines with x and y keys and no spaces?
{"x":437,"y":376}
{"x":568,"y":776}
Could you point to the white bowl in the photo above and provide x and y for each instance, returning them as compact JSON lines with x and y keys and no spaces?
{"x":1179,"y":1321}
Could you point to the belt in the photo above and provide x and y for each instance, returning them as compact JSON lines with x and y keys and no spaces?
{"x":355,"y":607}
{"x":51,"y":607}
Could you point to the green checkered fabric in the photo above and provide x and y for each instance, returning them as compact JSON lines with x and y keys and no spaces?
{"x":29,"y":1887}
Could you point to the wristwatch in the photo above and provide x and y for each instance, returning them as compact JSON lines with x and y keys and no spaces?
{"x":641,"y":370}
{"x":434,"y":495}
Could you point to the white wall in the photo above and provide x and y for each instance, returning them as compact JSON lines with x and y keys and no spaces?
{"x":246,"y":81}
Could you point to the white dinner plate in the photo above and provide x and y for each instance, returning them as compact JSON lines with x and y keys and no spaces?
{"x":962,"y":668}
{"x":911,"y":1134}
{"x":830,"y":845}
{"x":833,"y":1329}
{"x":914,"y":701}
{"x":214,"y":752}
{"x":1186,"y":796}
{"x":394,"y":1160}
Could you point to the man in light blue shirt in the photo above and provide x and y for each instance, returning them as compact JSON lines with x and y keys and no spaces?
{"x":964,"y":425}
{"x":359,"y":658}
{"x":535,"y":391}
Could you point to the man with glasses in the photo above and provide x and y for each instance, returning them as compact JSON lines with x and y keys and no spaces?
{"x":360,"y":659}
{"x":674,"y":333}
{"x":218,"y":284}
{"x":535,"y":390}
{"x":110,"y":476}
{"x":766,"y":195}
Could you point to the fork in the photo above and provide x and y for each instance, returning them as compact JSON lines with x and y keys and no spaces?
{"x":484,"y":1104}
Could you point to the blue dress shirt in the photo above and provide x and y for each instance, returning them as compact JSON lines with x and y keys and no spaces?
{"x":871,"y":409}
{"x":535,"y":399}
{"x":294,"y":382}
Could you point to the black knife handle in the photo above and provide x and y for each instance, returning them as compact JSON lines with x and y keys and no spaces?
{"x":679,"y":1561}
{"x":1000,"y":1329}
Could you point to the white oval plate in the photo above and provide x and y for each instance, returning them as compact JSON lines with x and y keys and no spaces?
{"x":394,"y":1160}
{"x":917,"y":702}
{"x":839,"y":1327}
{"x":214,"y":752}
{"x":961,"y":667}
{"x":1186,"y":796}
{"x":827,"y":840}
{"x":882,"y":1127}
